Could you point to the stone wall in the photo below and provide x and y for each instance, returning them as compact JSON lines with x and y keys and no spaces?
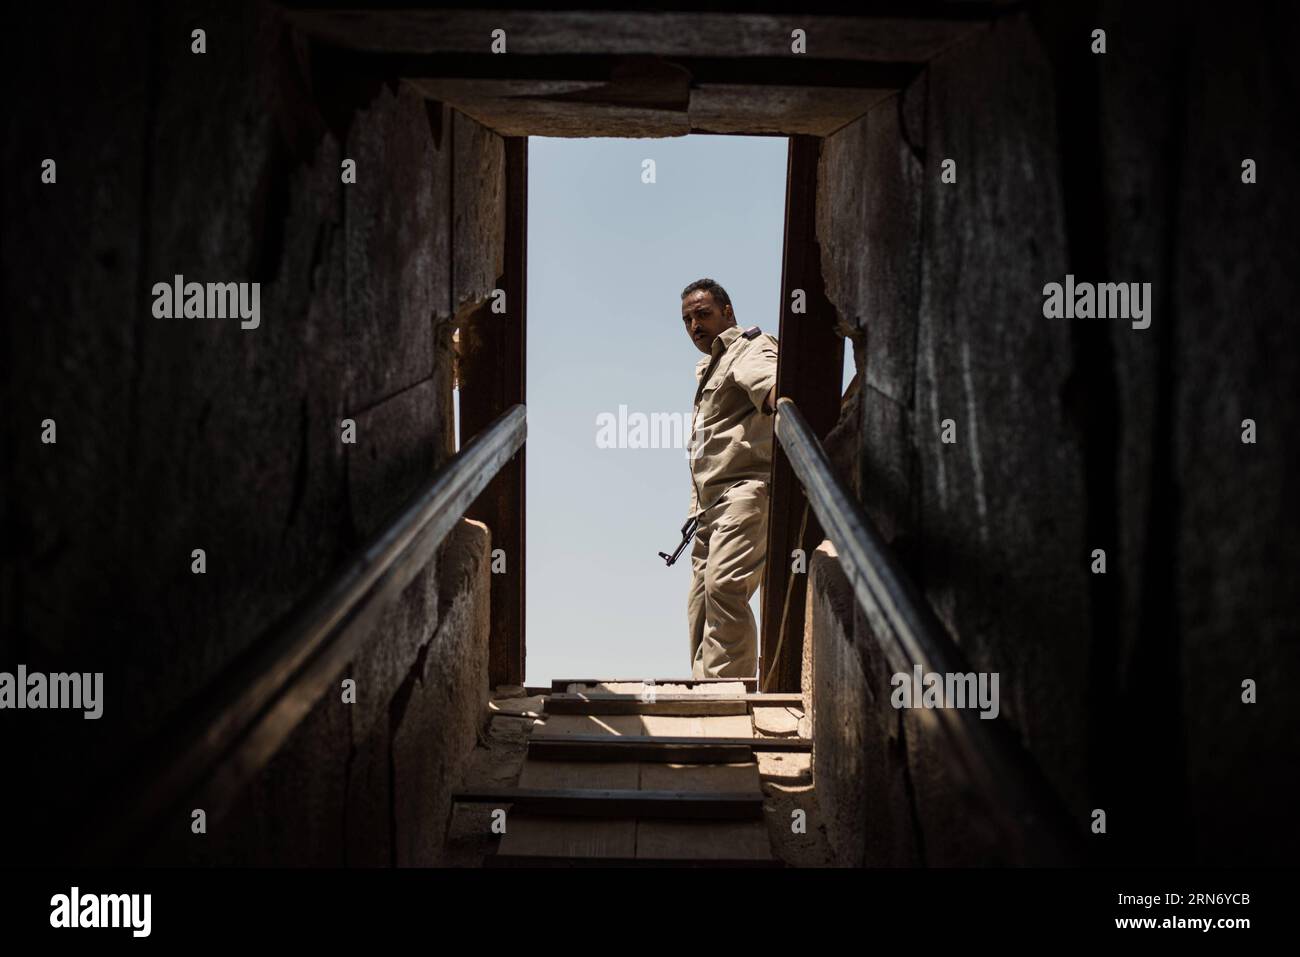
{"x":1073,"y":435}
{"x":193,"y":433}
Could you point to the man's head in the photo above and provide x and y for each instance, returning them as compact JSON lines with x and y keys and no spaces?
{"x":706,"y":311}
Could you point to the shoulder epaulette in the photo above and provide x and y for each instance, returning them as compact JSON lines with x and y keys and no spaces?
{"x":752,"y":332}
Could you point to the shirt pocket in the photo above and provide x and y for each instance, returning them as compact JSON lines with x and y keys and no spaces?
{"x":715,"y":380}
{"x":706,"y":409}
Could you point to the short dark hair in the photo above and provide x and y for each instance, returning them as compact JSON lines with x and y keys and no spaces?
{"x":712,"y":288}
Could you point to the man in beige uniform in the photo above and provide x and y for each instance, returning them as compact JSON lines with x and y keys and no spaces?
{"x":731,"y":463}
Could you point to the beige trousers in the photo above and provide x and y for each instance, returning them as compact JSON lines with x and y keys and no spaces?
{"x":727,"y":564}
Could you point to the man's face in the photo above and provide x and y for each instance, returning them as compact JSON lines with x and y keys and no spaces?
{"x":704,"y":320}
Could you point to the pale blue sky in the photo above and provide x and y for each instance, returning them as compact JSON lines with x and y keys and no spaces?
{"x":608,"y":256}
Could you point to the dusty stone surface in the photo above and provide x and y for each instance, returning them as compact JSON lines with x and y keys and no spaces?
{"x":478,"y":222}
{"x":193,"y":433}
{"x":1236,"y":550}
{"x":439,"y":719}
{"x":367,"y":817}
{"x":679,"y":33}
{"x":293,"y":812}
{"x":530,"y":706}
{"x":785,"y":110}
{"x":494,"y":763}
{"x":405,"y":626}
{"x":859,"y":788}
{"x":1001,"y":510}
{"x":777,"y":722}
{"x":789,"y":797}
{"x":1073,"y":436}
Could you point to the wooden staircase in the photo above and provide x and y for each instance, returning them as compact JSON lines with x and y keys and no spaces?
{"x":645,"y":773}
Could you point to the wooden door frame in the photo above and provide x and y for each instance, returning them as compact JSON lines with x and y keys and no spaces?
{"x":809,"y":371}
{"x":810,"y":357}
{"x":499,"y":370}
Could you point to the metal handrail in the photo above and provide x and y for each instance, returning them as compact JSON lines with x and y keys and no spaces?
{"x":255,"y":708}
{"x":990,"y":756}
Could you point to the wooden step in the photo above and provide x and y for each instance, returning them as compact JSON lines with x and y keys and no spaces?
{"x":562,"y":684}
{"x":647,"y":725}
{"x":622,"y":802}
{"x":536,"y":840}
{"x":537,"y":860}
{"x":633,"y":705}
{"x":683,"y":750}
{"x":695,"y":704}
{"x":625,"y":812}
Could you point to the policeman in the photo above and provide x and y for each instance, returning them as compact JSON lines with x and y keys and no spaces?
{"x":731,"y":463}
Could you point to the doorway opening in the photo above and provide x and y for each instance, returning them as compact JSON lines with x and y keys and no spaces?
{"x":616,"y":229}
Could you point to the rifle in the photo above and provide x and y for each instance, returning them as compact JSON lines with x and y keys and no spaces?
{"x":688,"y":532}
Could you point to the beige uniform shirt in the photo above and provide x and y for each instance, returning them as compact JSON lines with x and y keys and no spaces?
{"x":731,"y":436}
